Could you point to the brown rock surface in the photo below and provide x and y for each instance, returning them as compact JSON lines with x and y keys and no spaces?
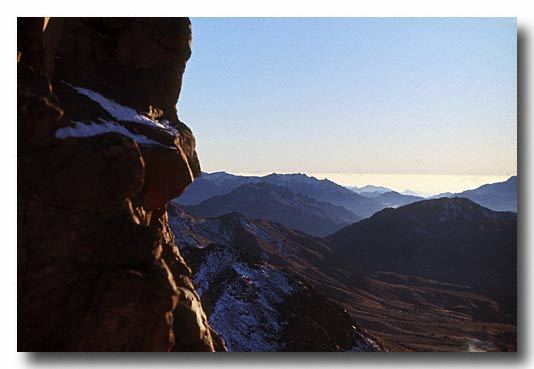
{"x":101,"y":152}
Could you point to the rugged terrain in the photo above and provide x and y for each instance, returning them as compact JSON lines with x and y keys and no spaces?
{"x":254,"y":296}
{"x":101,"y":151}
{"x":317,"y":207}
{"x":279,"y":204}
{"x":325,"y":191}
{"x":420,"y":309}
{"x":101,"y":154}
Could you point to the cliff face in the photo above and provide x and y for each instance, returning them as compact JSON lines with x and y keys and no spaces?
{"x":100,"y":153}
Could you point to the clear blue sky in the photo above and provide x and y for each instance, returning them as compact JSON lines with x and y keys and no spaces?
{"x":353,"y":95}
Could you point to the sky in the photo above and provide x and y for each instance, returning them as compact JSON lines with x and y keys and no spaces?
{"x":356,"y":99}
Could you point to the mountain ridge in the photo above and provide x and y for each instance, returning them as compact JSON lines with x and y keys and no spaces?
{"x":277,"y":203}
{"x":499,"y":196}
{"x":245,"y":273}
{"x":401,"y":311}
{"x":450,"y":239}
{"x":221,"y":183}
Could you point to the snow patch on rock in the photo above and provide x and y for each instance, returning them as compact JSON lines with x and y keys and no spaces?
{"x":94,"y":129}
{"x":121,"y":112}
{"x":123,"y":117}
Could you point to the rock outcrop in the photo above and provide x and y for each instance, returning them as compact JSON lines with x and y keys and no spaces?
{"x":100,"y":153}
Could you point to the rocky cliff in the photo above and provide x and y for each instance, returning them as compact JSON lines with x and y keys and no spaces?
{"x":100,"y":153}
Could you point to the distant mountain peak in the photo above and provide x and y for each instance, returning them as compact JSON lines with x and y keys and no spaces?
{"x":458,"y":203}
{"x":444,"y":210}
{"x":410,"y":193}
{"x":500,"y":196}
{"x":290,"y":177}
{"x":369,"y":188}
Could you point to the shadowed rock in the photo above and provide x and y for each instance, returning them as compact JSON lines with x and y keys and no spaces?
{"x":101,"y":152}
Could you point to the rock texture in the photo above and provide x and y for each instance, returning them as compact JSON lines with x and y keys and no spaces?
{"x":101,"y":152}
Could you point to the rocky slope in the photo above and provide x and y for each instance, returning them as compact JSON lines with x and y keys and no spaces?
{"x":248,"y":274}
{"x":100,"y":153}
{"x":263,"y":286}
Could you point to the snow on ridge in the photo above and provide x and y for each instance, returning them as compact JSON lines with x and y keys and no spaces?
{"x":265,"y":236}
{"x":244,"y":298}
{"x":121,"y":112}
{"x":266,"y":276}
{"x":242,"y":325}
{"x":245,"y":311}
{"x":213,"y":264}
{"x":246,"y":314}
{"x":94,"y":129}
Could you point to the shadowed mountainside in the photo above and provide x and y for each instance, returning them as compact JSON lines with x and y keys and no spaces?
{"x":278,"y":204}
{"x":403,"y":312}
{"x":452,"y":240}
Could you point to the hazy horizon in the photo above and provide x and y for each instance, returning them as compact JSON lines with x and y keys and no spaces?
{"x":422,"y":184}
{"x":427,"y":103}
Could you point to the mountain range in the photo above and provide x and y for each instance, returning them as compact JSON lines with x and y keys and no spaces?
{"x":201,"y":199}
{"x":435,"y":275}
{"x":263,"y":200}
{"x":221,"y":183}
{"x":415,"y":274}
{"x":369,"y":190}
{"x":501,"y":196}
{"x":106,"y":262}
{"x":317,"y":207}
{"x":373,"y":191}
